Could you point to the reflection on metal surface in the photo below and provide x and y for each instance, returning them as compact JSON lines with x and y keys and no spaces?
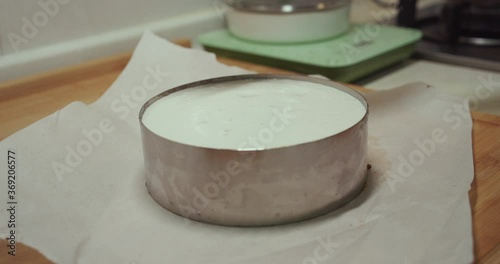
{"x":287,"y":6}
{"x":480,"y":41}
{"x":459,"y":55}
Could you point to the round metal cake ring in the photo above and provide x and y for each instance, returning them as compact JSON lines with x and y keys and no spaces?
{"x":256,"y":187}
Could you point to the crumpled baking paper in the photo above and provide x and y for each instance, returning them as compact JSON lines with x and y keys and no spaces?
{"x":82,"y":199}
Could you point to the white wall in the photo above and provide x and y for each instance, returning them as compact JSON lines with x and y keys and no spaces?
{"x":39,"y":35}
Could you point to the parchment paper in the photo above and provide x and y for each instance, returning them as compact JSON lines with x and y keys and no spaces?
{"x":81,"y":197}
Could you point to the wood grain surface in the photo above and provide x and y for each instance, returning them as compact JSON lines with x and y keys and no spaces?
{"x":27,"y":100}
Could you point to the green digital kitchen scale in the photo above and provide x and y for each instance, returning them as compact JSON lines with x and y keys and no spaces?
{"x":364,"y":49}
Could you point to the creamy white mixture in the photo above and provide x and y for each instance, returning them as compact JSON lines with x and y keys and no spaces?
{"x":253,"y":114}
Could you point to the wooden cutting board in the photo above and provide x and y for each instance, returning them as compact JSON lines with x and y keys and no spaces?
{"x":27,"y":100}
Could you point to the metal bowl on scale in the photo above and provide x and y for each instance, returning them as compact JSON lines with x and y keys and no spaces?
{"x":289,"y":21}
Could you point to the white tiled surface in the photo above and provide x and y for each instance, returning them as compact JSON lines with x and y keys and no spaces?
{"x":479,"y":85}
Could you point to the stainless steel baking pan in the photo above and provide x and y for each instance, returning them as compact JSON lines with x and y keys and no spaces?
{"x":275,"y":186}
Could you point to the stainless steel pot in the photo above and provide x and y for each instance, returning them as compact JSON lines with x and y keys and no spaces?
{"x":256,"y":187}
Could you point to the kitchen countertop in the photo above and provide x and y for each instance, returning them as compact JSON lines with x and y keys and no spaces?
{"x":480,"y":86}
{"x":27,"y":100}
{"x":457,"y":80}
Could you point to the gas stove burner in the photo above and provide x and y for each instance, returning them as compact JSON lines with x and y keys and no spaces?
{"x":463,"y":32}
{"x":465,"y":23}
{"x":480,"y":41}
{"x":476,"y":23}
